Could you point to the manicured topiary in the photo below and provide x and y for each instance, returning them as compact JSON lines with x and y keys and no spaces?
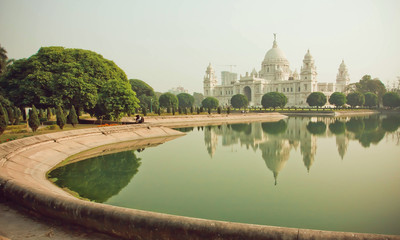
{"x":3,"y":122}
{"x":33,"y":120}
{"x":159,"y":111}
{"x":72,"y":117}
{"x":209,"y":110}
{"x":228,"y":110}
{"x":219,"y":110}
{"x":144,"y":111}
{"x":48,"y":111}
{"x":60,"y":117}
{"x":11,"y":115}
{"x":17,"y":115}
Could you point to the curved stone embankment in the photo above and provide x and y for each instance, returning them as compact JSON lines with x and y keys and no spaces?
{"x":25,"y":162}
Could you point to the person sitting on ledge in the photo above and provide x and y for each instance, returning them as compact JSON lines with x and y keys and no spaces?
{"x":139,"y":119}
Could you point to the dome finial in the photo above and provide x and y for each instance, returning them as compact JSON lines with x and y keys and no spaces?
{"x":275,"y":44}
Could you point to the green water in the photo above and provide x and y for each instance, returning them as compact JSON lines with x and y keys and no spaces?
{"x":340,"y":174}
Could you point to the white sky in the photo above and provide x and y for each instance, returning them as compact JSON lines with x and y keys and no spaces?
{"x":169,"y":43}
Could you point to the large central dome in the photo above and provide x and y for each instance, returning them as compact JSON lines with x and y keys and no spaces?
{"x":275,"y":54}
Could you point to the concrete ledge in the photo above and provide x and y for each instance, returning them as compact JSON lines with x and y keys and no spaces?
{"x":25,"y":162}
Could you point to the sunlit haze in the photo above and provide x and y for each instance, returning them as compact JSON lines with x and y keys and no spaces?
{"x":170,"y":43}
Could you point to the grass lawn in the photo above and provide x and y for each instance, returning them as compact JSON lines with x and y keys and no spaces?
{"x":20,"y":131}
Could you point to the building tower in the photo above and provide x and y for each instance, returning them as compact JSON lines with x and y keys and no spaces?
{"x":210,"y":81}
{"x":308,"y":74}
{"x":342,"y":78}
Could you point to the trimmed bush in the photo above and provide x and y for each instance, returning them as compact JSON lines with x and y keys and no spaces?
{"x":60,"y":117}
{"x":33,"y":120}
{"x":72,"y":117}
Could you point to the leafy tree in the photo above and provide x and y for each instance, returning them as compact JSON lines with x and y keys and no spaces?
{"x":145,"y":93}
{"x":273,"y":99}
{"x":185,"y":100}
{"x":33,"y":120}
{"x":391,"y":99}
{"x":239,"y":101}
{"x":60,"y":117}
{"x":210,"y":102}
{"x":355,"y":125}
{"x":116,"y":98}
{"x":4,"y":61}
{"x":168,"y":100}
{"x":355,"y":99}
{"x":72,"y":117}
{"x":3,"y":120}
{"x":317,"y":99}
{"x":316,"y":128}
{"x":198,"y":98}
{"x":391,"y":123}
{"x":367,"y":84}
{"x":59,"y":76}
{"x":371,"y":99}
{"x":338,"y":99}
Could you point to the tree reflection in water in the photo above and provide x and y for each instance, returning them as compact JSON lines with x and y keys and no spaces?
{"x":98,"y":178}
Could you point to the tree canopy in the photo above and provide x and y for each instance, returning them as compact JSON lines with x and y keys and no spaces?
{"x":317,"y":99}
{"x":198,"y":98}
{"x":338,"y":99}
{"x":168,"y":100}
{"x":59,"y":76}
{"x":355,"y":99}
{"x":239,"y":101}
{"x":115,"y":99}
{"x":274,"y":128}
{"x":367,"y":84}
{"x":185,"y":100}
{"x":273,"y":99}
{"x":145,"y":93}
{"x":371,"y":99}
{"x":391,"y":99}
{"x":210,"y":102}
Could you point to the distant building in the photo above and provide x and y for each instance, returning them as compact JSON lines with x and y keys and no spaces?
{"x":177,"y":90}
{"x":274,"y":76}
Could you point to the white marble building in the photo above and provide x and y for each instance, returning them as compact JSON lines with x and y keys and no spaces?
{"x":275,"y":76}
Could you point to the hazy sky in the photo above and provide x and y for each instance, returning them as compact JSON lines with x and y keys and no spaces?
{"x":170,"y":43}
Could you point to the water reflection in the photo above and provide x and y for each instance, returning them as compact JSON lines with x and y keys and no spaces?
{"x":99,"y":178}
{"x":275,"y":140}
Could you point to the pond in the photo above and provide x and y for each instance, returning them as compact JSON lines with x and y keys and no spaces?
{"x":338,"y":174}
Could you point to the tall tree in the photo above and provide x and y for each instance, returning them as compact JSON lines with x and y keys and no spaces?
{"x":273,"y":99}
{"x":338,"y":99}
{"x":168,"y":100}
{"x":239,"y":101}
{"x":367,"y":84}
{"x":3,"y":60}
{"x":355,"y":99}
{"x":185,"y":100}
{"x":317,"y":99}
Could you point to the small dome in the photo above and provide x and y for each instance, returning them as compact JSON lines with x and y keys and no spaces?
{"x":342,"y":65}
{"x":308,"y":55}
{"x":210,"y":68}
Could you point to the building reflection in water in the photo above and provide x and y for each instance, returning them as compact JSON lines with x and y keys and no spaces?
{"x":275,"y":140}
